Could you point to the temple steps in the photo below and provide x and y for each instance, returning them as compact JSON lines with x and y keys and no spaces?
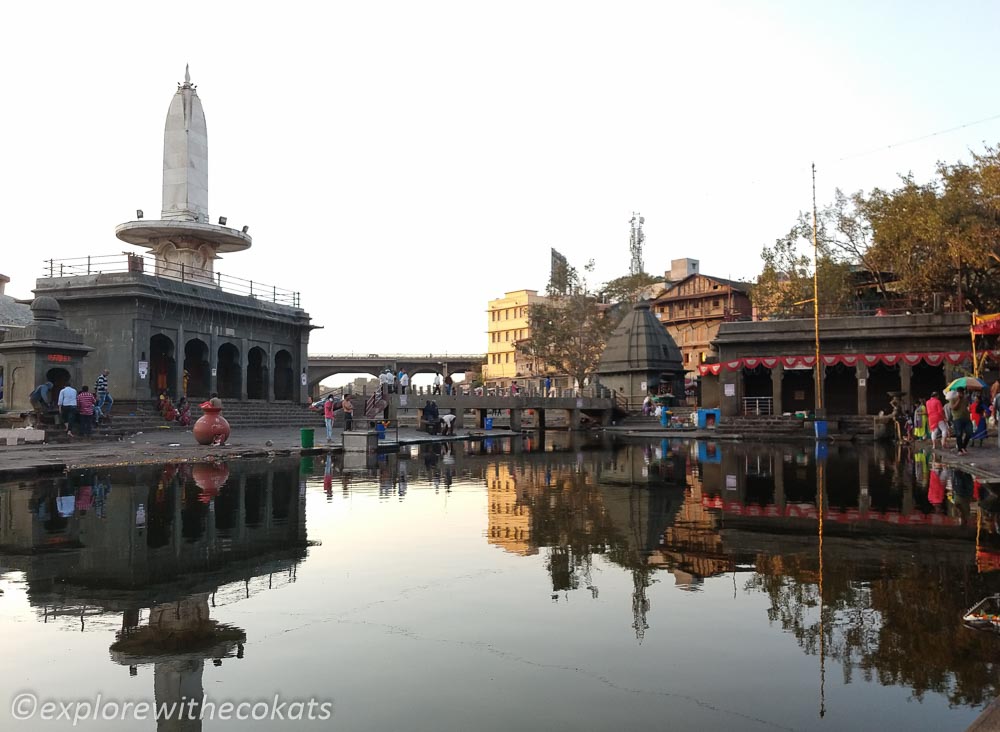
{"x":131,"y":417}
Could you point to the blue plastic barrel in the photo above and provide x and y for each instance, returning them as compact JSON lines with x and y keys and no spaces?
{"x":820,"y":427}
{"x":488,"y":423}
{"x":380,"y":430}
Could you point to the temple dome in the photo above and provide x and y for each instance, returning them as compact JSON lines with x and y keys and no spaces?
{"x":640,"y":343}
{"x":45,"y":308}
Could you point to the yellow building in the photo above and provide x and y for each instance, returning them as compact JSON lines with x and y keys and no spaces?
{"x":509,"y":520}
{"x":506,"y":325}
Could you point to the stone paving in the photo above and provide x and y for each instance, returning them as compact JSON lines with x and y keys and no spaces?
{"x":164,"y":445}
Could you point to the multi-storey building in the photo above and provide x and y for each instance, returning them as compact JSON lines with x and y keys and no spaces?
{"x":693,"y":308}
{"x":508,"y":323}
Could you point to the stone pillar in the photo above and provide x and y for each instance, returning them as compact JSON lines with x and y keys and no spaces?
{"x":861,"y":374}
{"x":515,"y":420}
{"x":270,"y":372}
{"x":905,"y":379}
{"x":302,"y":384}
{"x":179,"y":360}
{"x":213,"y":362}
{"x":244,"y":360}
{"x":574,"y":419}
{"x":777,"y":374}
{"x":730,"y":405}
{"x":140,"y":388}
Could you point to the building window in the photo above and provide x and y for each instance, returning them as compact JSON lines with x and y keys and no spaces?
{"x":715,"y":302}
{"x":506,"y":358}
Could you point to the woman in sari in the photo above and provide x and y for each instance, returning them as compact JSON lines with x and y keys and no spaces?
{"x":979,"y":411}
{"x":920,"y":421}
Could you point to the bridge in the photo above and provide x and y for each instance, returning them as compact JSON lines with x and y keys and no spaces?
{"x":323,"y":365}
{"x":599,"y":409}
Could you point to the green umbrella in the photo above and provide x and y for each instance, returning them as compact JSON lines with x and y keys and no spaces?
{"x":969,"y":383}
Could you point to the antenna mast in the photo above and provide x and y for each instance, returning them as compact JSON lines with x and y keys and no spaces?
{"x":635,"y":244}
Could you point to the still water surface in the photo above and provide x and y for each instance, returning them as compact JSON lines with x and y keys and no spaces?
{"x":563,"y":585}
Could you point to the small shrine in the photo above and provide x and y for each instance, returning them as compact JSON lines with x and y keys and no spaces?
{"x":641,"y":358}
{"x":44,"y":350}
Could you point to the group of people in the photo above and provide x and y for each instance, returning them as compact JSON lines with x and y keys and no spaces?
{"x":435,"y":422}
{"x":394,"y":383}
{"x":966,"y":415}
{"x":180,"y":412}
{"x":330,"y":407}
{"x":78,"y":410}
{"x":447,"y":382}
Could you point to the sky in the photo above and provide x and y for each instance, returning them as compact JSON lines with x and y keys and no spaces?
{"x":400,"y":164}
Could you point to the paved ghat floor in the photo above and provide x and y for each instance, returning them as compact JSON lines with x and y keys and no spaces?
{"x":561,"y":585}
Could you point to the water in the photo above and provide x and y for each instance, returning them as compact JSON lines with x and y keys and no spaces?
{"x":562,"y":585}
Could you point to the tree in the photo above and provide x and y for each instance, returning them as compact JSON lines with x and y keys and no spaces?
{"x":569,"y":330}
{"x":627,"y":288}
{"x":785,"y":285}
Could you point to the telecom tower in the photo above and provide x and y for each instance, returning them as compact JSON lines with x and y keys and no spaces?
{"x":635,"y":244}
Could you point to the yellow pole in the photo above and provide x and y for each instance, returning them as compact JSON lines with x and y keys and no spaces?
{"x":819,"y":364}
{"x":972,"y":335}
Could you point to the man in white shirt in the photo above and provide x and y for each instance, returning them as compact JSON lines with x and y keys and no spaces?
{"x":404,"y":381}
{"x":67,"y":407}
{"x":437,"y":383}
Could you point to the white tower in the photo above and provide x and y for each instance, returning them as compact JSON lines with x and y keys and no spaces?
{"x":184,"y":242}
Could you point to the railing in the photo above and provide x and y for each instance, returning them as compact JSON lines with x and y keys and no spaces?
{"x":758,"y":406}
{"x":901,"y":306}
{"x":404,"y":356}
{"x":146,"y":264}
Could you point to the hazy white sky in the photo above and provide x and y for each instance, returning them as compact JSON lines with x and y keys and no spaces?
{"x":402,"y":163}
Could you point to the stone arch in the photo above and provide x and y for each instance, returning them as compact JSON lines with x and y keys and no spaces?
{"x":228,"y":372}
{"x":284,"y":376}
{"x":162,"y":365}
{"x":59,"y":377}
{"x":199,"y":374}
{"x":257,"y":373}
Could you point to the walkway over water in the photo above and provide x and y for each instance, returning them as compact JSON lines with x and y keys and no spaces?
{"x":598,"y":408}
{"x":322,"y":365}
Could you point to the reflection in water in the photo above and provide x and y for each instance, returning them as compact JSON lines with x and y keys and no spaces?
{"x":159,"y":548}
{"x":867,"y":558}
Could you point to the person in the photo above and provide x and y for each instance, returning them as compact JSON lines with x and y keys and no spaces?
{"x":449,"y":384}
{"x":183,"y":412}
{"x":960,"y":417}
{"x":548,"y":386}
{"x":184,"y":380}
{"x":67,"y":407}
{"x":431,"y":417}
{"x":41,"y":398}
{"x":348,"y":406}
{"x":329,"y":410}
{"x":996,"y":411}
{"x":513,"y":388}
{"x":169,"y":411}
{"x":85,"y":403}
{"x":404,"y":381}
{"x":214,"y":400}
{"x":386,"y":380}
{"x":647,"y":406}
{"x":980,"y":411}
{"x":920,"y":420}
{"x":936,"y":422}
{"x":448,"y":424}
{"x":437,"y":383}
{"x":104,"y":400}
{"x":898,"y":417}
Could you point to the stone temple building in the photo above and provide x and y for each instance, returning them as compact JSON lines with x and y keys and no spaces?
{"x":641,"y":358}
{"x":167,"y":320}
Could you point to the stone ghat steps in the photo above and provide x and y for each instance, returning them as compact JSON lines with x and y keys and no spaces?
{"x":138,"y":416}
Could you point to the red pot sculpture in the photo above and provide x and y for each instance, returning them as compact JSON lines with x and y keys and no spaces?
{"x":211,"y":425}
